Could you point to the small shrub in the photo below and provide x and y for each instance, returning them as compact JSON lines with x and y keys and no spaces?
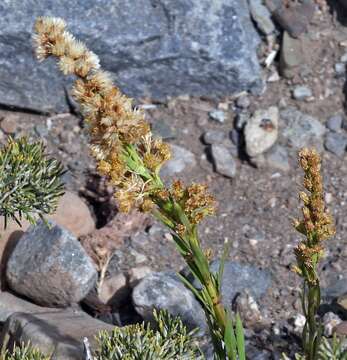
{"x":134,"y":342}
{"x":30,"y":183}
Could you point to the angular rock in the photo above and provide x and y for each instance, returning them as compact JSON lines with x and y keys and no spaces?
{"x":217,"y":115}
{"x":262,"y":16}
{"x":223,"y":161}
{"x":336,"y":143}
{"x":301,"y":129}
{"x":155,"y":49}
{"x":261,"y":131}
{"x":50,"y":267}
{"x":238,"y":278}
{"x":58,"y":334}
{"x":181,"y":159}
{"x":164,"y":290}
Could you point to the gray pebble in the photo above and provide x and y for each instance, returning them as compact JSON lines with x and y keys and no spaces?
{"x":336,"y":143}
{"x":343,"y":58}
{"x":302,"y":92}
{"x":340,"y":68}
{"x":223,"y":161}
{"x":217,"y":115}
{"x":334,"y":123}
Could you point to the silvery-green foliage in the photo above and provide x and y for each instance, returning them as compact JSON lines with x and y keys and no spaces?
{"x":24,"y":352}
{"x":30,"y":182}
{"x":169,"y":341}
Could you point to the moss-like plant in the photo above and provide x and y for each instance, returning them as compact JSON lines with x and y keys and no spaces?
{"x":169,"y":341}
{"x":127,"y":153}
{"x":24,"y":352}
{"x":30,"y":182}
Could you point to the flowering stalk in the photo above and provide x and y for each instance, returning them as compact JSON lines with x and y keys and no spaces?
{"x":316,"y":226}
{"x":128,"y":155}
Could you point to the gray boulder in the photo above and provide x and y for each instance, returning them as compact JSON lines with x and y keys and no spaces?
{"x":50,"y":267}
{"x":153,"y":47}
{"x":164,"y":290}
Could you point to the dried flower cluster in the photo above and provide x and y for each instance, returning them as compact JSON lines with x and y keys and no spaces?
{"x":317,"y":224}
{"x":121,"y":140}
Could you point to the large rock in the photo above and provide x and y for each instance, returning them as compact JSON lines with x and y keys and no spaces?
{"x":165,"y":291}
{"x":154,"y":47}
{"x":10,"y":304}
{"x":50,"y":267}
{"x":58,"y":334}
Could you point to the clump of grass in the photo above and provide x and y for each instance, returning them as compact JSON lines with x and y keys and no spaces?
{"x":131,"y":158}
{"x":30,"y":182}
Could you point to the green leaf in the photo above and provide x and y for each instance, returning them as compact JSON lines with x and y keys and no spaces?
{"x":240,"y":338}
{"x":230,"y":339}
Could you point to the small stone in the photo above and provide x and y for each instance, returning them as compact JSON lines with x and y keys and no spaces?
{"x":274,"y":76}
{"x":164,"y":290}
{"x":328,"y":198}
{"x":9,"y":123}
{"x":261,"y":131}
{"x":340,"y":68}
{"x":217,"y":115}
{"x":330,"y":321}
{"x":214,"y":137}
{"x":262,"y":16}
{"x":343,"y":58}
{"x":291,"y":55}
{"x":243,"y":102}
{"x":302,"y":92}
{"x":277,"y":158}
{"x":334,"y":123}
{"x":223,"y":161}
{"x":336,"y":143}
{"x":248,"y":309}
{"x":58,"y":334}
{"x":49,"y":266}
{"x":299,"y":323}
{"x":302,"y":130}
{"x":180,"y":160}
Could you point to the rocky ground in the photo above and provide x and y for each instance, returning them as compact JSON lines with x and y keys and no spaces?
{"x":244,"y":147}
